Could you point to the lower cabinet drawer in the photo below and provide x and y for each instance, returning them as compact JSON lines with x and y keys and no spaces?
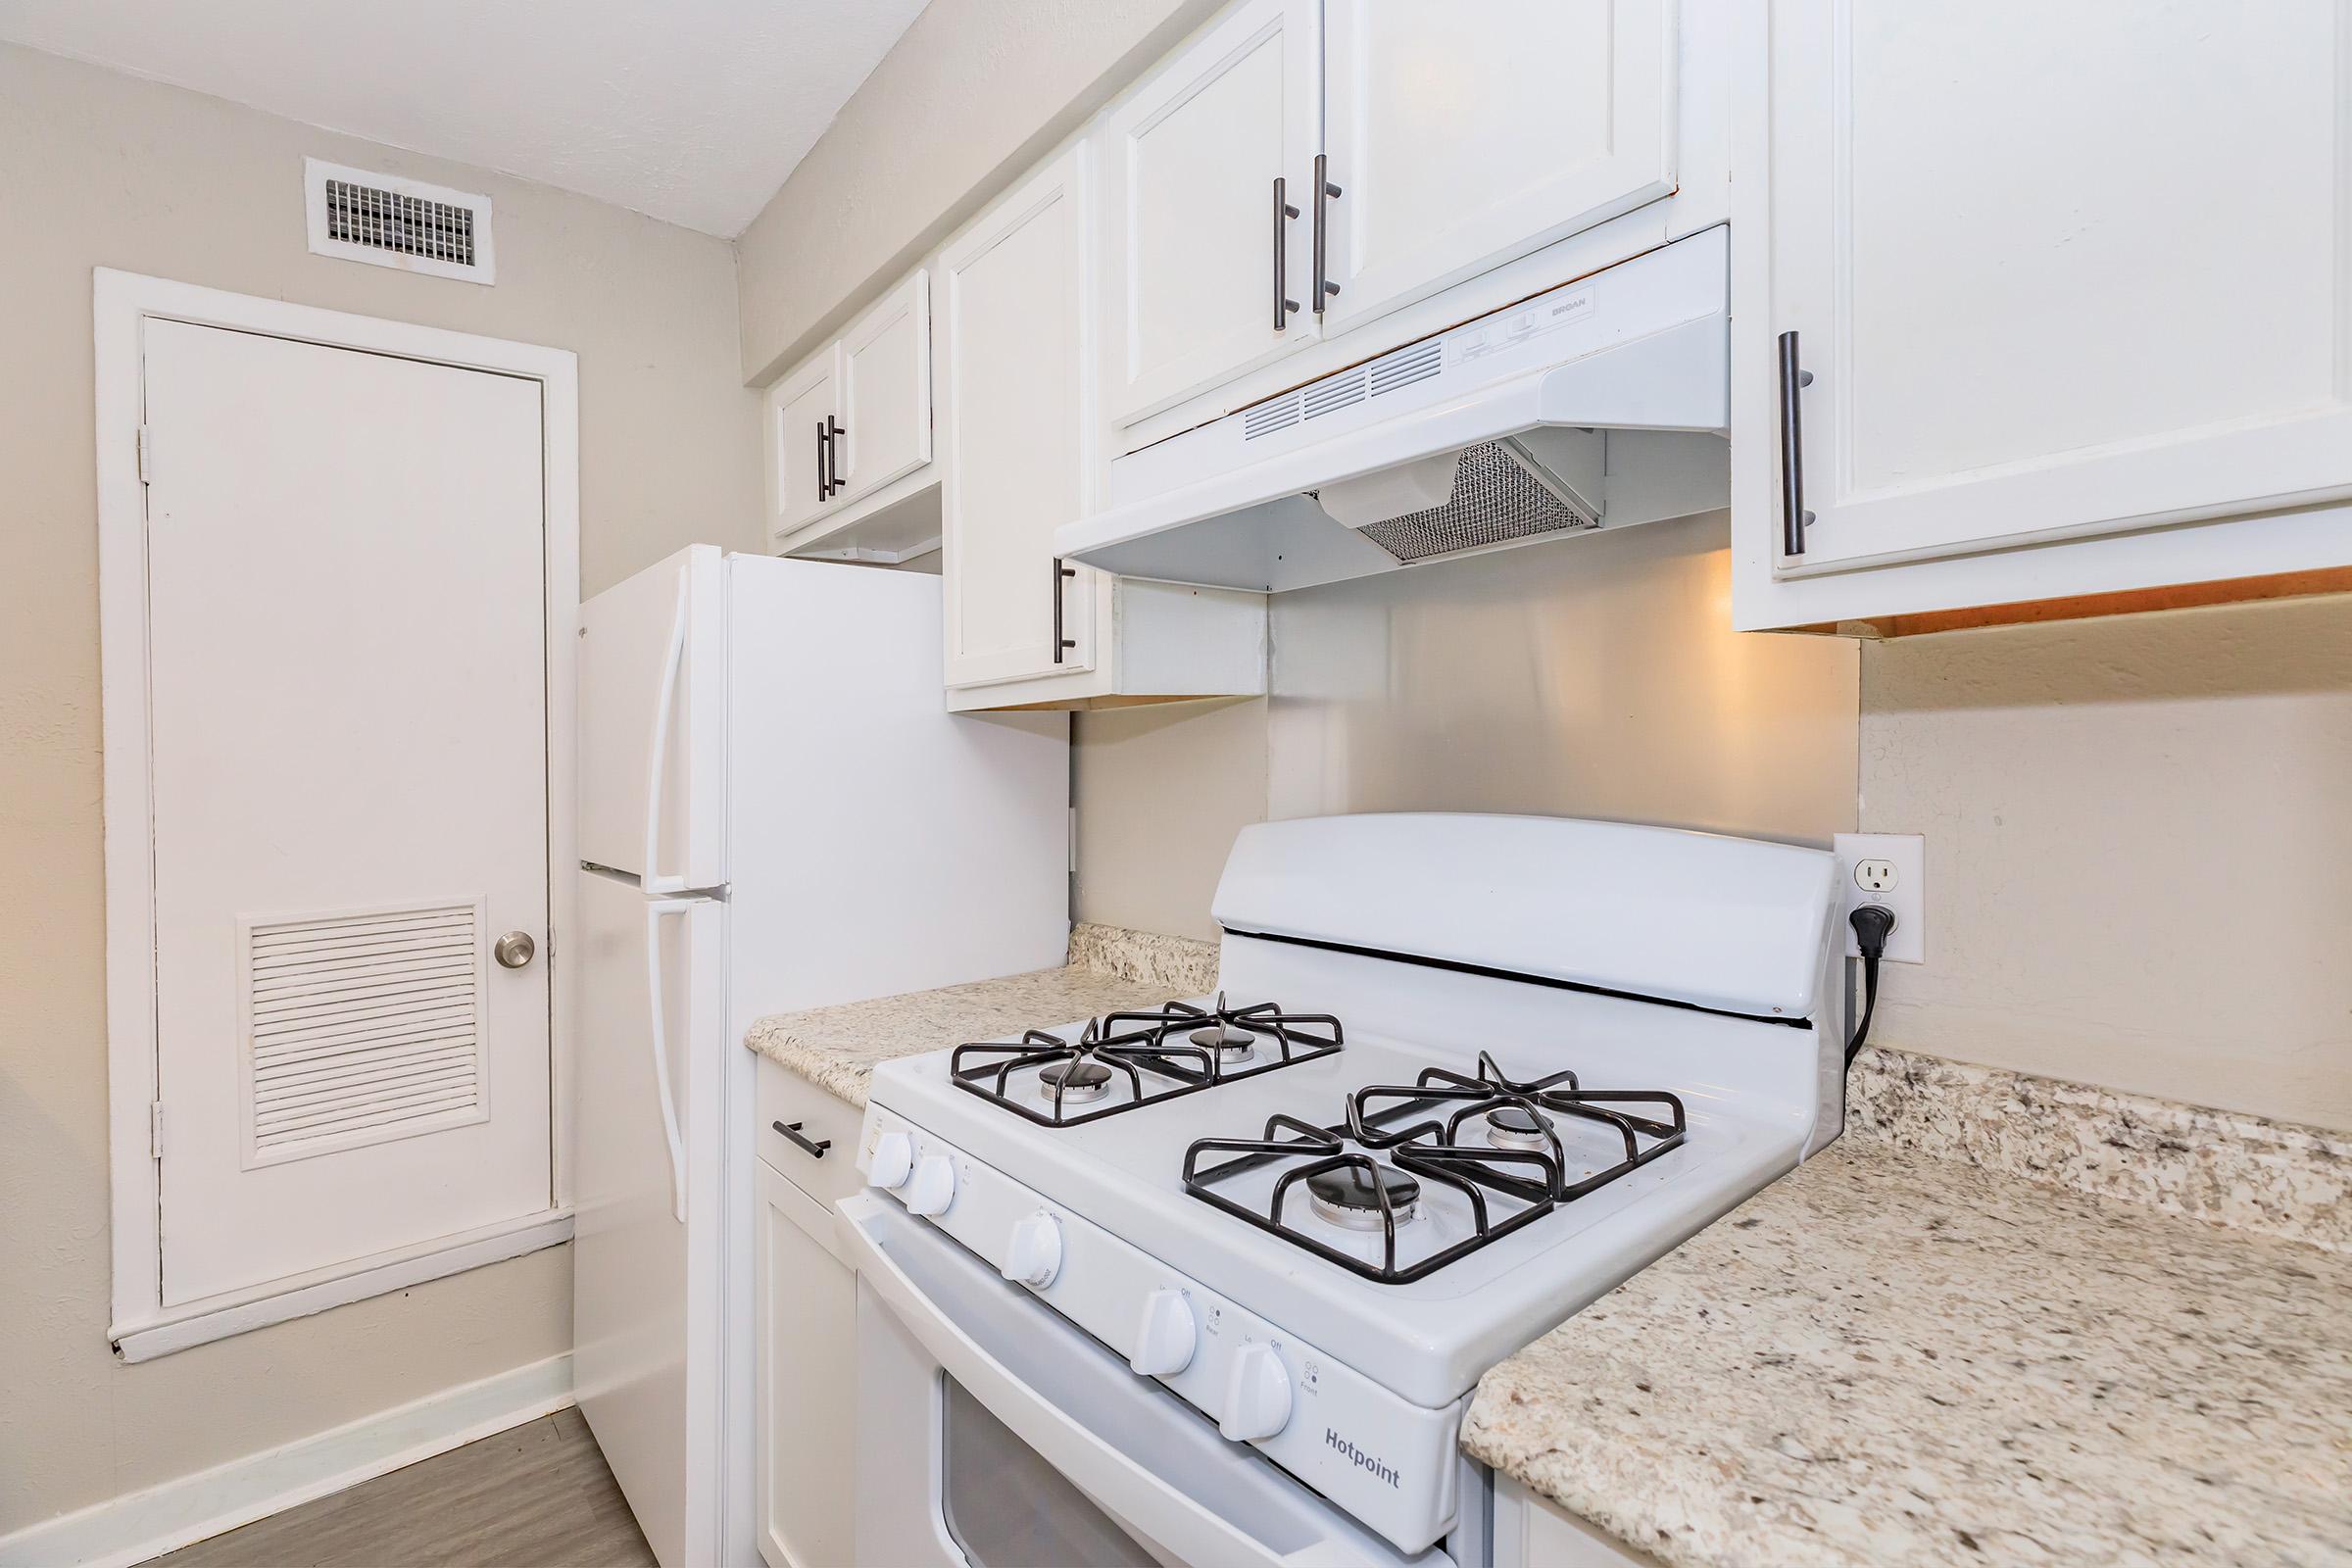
{"x":806,"y":1135}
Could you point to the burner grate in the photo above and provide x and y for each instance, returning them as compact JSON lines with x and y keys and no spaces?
{"x":1132,"y":1045}
{"x":1433,"y":1150}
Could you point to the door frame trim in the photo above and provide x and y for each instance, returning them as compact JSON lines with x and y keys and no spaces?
{"x":122,"y":302}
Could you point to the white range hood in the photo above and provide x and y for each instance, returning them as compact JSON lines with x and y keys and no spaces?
{"x":1599,"y":404}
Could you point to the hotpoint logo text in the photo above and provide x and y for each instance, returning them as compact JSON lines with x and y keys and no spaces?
{"x":1362,"y":1460}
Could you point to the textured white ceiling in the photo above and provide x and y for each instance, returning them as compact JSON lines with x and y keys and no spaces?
{"x":692,"y":111}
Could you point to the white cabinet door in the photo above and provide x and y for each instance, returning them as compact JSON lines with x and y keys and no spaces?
{"x":803,"y":414}
{"x":1200,"y":258}
{"x":1465,"y":135}
{"x":886,"y":392}
{"x":2058,"y":271}
{"x":1014,"y":289}
{"x":806,"y":1367}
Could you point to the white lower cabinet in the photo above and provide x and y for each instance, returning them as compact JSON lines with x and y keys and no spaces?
{"x":806,"y":1365}
{"x":2038,"y":303}
{"x":1531,"y":1531}
{"x":1024,"y":629}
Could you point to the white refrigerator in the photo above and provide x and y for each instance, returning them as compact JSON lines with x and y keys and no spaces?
{"x":775,"y":811}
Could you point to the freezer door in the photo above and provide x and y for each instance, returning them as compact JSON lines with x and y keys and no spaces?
{"x":653,"y":724}
{"x":648,"y":1246}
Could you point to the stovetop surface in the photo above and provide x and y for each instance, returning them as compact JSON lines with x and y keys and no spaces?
{"x":1431,"y":1337}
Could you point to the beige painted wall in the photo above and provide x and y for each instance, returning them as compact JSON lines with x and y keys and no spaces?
{"x":973,"y":93}
{"x":2140,"y":850}
{"x":102,"y":169}
{"x":1160,"y":791}
{"x":1591,"y":677}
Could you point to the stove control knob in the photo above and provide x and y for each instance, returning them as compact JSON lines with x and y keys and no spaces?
{"x":893,"y":1160}
{"x":932,"y":1187}
{"x":1257,"y":1395}
{"x":1034,"y":1256}
{"x":1163,"y":1345}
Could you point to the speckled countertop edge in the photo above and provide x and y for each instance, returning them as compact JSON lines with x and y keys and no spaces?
{"x":837,"y":1048}
{"x":2005,"y":1319}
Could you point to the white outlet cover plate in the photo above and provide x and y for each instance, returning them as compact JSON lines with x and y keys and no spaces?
{"x":1907,"y":897}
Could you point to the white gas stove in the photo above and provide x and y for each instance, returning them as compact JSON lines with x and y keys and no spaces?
{"x":1466,"y":1073}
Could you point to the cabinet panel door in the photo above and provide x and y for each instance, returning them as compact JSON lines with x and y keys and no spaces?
{"x":2060,"y":271}
{"x":1465,"y":135}
{"x":886,"y":391}
{"x":1014,"y":289}
{"x":806,"y":1364}
{"x":1191,"y":241}
{"x":798,"y":410}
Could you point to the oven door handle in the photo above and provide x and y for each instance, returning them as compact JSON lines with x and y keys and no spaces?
{"x":1134,"y":1495}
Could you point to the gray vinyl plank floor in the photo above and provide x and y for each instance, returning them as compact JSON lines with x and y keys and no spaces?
{"x":536,"y":1497}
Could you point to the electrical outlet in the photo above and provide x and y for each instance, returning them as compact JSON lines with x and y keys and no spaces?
{"x":1888,"y":870}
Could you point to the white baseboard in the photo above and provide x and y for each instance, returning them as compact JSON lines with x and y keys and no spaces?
{"x":140,"y":1525}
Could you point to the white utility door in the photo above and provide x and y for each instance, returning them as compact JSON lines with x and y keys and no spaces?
{"x":1465,"y":135}
{"x":886,"y":391}
{"x":2059,"y":270}
{"x":1202,"y":263}
{"x":1016,"y":393}
{"x":348,"y":709}
{"x":804,"y":418}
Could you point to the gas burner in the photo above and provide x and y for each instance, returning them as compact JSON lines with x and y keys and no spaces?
{"x":1518,"y":1126}
{"x":1073,"y":1082}
{"x":1231,"y":1044}
{"x":1127,"y":1059}
{"x":1347,"y":1197}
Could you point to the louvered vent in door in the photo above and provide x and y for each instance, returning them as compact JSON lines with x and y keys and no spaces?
{"x":362,"y":1026}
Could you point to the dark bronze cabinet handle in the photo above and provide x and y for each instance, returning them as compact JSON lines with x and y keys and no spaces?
{"x":1284,"y":212}
{"x":1325,"y":288}
{"x":1794,"y":519}
{"x":834,"y":431}
{"x":815,"y":1147}
{"x":824,"y":462}
{"x":1062,"y":643}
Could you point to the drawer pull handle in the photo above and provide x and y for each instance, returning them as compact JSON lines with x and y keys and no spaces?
{"x":814,"y":1147}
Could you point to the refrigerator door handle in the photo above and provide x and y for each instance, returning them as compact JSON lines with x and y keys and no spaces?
{"x":658,"y":1036}
{"x":658,"y":752}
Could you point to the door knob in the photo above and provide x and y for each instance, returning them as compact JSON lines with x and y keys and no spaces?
{"x":516,"y":949}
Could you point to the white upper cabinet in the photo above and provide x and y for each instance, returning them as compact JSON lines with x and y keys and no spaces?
{"x":1018,"y":454}
{"x":849,"y":438}
{"x":1015,"y":390}
{"x":886,"y":392}
{"x":801,"y":411}
{"x":1206,"y":272}
{"x":1464,"y":134}
{"x":2035,"y":274}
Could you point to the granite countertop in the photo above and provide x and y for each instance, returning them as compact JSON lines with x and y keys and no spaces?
{"x":1109,"y":969}
{"x":2122,"y":1338}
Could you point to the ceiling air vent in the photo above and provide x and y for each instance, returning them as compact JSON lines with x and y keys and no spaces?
{"x":388,"y":221}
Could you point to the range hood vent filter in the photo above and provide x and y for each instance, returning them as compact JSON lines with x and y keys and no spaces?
{"x":1498,"y":497}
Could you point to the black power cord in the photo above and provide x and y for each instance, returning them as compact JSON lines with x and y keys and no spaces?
{"x":1873,"y":923}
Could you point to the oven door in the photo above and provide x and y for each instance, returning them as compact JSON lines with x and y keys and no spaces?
{"x":992,"y":1432}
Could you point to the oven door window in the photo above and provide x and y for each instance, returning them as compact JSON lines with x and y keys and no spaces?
{"x":1009,"y":1508}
